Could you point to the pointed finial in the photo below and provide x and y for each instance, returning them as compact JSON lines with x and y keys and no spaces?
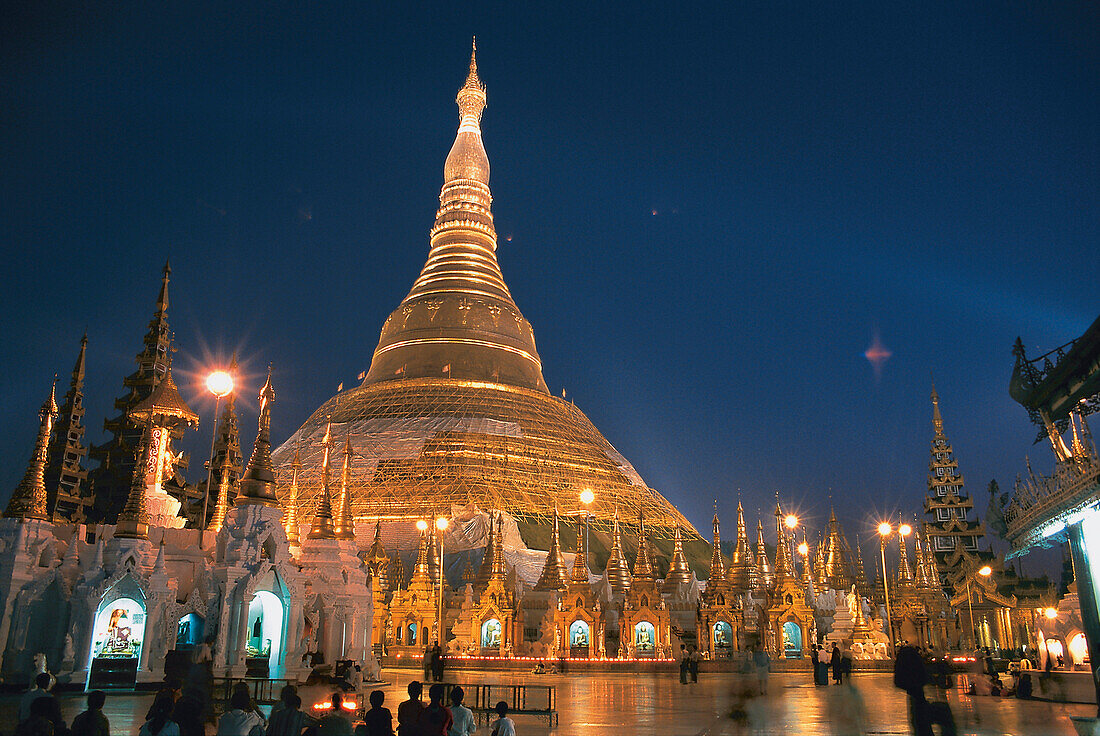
{"x":258,"y":482}
{"x":28,"y":500}
{"x":322,"y":520}
{"x":290,"y":516}
{"x":133,"y":520}
{"x":937,"y":419}
{"x":344,"y":523}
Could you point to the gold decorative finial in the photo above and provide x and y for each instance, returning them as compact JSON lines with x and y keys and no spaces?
{"x":322,"y":520}
{"x":133,"y":520}
{"x":937,"y":420}
{"x":290,"y":518}
{"x":28,"y":500}
{"x":258,"y":482}
{"x":344,"y":524}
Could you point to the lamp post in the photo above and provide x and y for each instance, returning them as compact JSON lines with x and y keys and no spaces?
{"x":441,"y":524}
{"x":985,"y":572}
{"x":587,"y":497}
{"x":220,"y":384}
{"x":884,"y":531}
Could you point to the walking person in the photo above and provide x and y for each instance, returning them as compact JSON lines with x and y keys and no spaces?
{"x":437,"y":663}
{"x":762,"y":664}
{"x":427,"y":663}
{"x":685,"y":665}
{"x":834,"y":664}
{"x":503,"y":725}
{"x":409,"y":711}
{"x":911,"y":676}
{"x":92,"y":722}
{"x":464,"y":724}
{"x":694,"y":658}
{"x":815,"y":662}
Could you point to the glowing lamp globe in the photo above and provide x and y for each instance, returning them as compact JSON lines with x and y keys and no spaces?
{"x":441,"y":523}
{"x":986,"y":571}
{"x":1051,"y":613}
{"x":905,"y":530}
{"x":422,"y":525}
{"x":791,"y":521}
{"x":884,"y":529}
{"x":803,"y":549}
{"x":220,"y":384}
{"x":587,"y":496}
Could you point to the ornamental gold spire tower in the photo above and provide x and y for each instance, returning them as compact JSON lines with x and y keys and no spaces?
{"x":454,"y":409}
{"x":459,"y":319}
{"x":28,"y":500}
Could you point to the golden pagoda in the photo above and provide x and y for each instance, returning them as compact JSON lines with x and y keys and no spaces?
{"x":454,"y":409}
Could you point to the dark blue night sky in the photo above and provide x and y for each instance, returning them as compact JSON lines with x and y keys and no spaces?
{"x":706,"y":216}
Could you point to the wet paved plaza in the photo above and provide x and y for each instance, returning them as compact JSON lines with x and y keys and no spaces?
{"x":623,"y":704}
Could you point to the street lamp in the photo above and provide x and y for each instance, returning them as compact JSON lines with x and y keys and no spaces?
{"x":985,"y":571}
{"x":220,"y":384}
{"x":884,"y":531}
{"x":441,"y":524}
{"x":587,"y":497}
{"x":791,"y":521}
{"x":1051,"y":613}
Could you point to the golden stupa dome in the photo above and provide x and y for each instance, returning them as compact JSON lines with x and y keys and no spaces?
{"x":454,"y":410}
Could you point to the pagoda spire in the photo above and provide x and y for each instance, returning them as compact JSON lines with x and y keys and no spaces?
{"x":678,"y":571}
{"x":421,"y":573}
{"x":643,"y":564}
{"x":784,"y":566}
{"x":553,"y":570}
{"x":258,"y":483}
{"x":742,"y":570}
{"x":807,"y":568}
{"x":500,"y":568}
{"x":438,"y":329}
{"x":861,"y":574}
{"x":579,"y":573}
{"x":765,"y":578}
{"x":322,"y":520}
{"x":717,"y":571}
{"x":133,"y":521}
{"x":905,"y":573}
{"x":485,"y":571}
{"x":922,"y":580}
{"x":28,"y":500}
{"x":377,"y":559}
{"x":617,"y":569}
{"x":112,"y":478}
{"x":64,"y":475}
{"x":344,"y":524}
{"x":290,"y":517}
{"x":937,"y":418}
{"x":838,"y":563}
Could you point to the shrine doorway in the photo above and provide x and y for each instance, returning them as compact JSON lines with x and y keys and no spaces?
{"x":792,"y":640}
{"x":264,"y":640}
{"x":580,"y":638}
{"x":645,"y":639}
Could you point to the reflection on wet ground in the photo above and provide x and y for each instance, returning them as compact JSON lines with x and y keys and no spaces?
{"x":622,"y":704}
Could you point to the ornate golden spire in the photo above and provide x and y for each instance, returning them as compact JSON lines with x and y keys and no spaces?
{"x":678,"y":571}
{"x":717,"y":572}
{"x":764,"y":576}
{"x":378,"y":560}
{"x":643,"y":565}
{"x":344,"y":524}
{"x":905,"y":573}
{"x":807,"y":567}
{"x":617,"y":570}
{"x":921,"y":578}
{"x":742,"y":569}
{"x":221,"y":506}
{"x":500,"y":569}
{"x":322,"y":521}
{"x":937,"y":420}
{"x":133,"y":521}
{"x":290,"y":518}
{"x":838,"y":564}
{"x":485,"y":571}
{"x":579,"y":573}
{"x":784,"y":566}
{"x":421,"y":573}
{"x":861,"y":574}
{"x":258,"y":483}
{"x":459,"y":319}
{"x":28,"y":500}
{"x":553,"y":570}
